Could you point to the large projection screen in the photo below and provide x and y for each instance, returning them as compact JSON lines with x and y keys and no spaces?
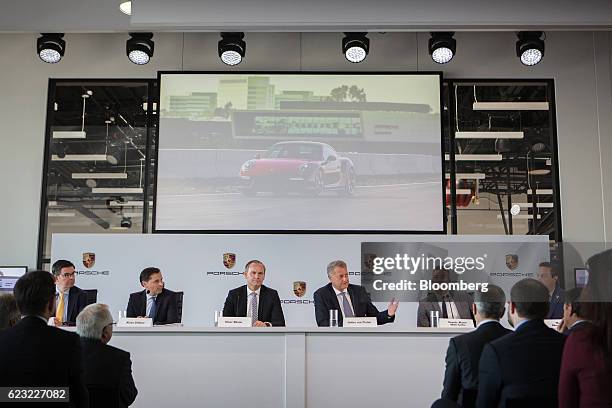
{"x":299,"y":152}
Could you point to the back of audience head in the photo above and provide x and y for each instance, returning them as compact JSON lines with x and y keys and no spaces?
{"x":490,"y":304}
{"x":35,"y":294}
{"x":9,"y":312}
{"x":596,"y":302}
{"x":572,"y":305}
{"x":529,"y":299}
{"x":95,"y":322}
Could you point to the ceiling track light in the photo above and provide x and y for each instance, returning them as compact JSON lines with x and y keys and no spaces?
{"x":126,"y":7}
{"x":442,"y":47}
{"x":355,"y":46}
{"x":139,"y":48}
{"x":530,"y":47}
{"x":51,"y":47}
{"x":232,"y":48}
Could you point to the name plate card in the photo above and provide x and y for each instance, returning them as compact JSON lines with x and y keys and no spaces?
{"x":552,"y":323}
{"x":135,"y":322}
{"x":456,"y":324}
{"x":359,"y":322}
{"x":234,"y":322}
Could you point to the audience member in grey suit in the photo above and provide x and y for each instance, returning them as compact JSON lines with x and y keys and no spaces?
{"x":449,"y":304}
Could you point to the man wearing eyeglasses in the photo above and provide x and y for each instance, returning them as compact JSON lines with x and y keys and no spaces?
{"x":69,"y":299}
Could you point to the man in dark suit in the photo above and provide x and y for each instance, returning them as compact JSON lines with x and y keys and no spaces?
{"x":255,"y":300}
{"x":155,"y":301}
{"x":463,"y":354}
{"x":35,"y":354}
{"x":448,"y":304}
{"x":522,"y":366}
{"x":549,"y":277}
{"x":69,"y":299}
{"x":349,"y":300}
{"x":572,"y":309}
{"x":105,"y":366}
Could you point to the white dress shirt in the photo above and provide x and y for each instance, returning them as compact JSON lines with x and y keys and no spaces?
{"x":451,"y":310}
{"x":66,"y":293}
{"x":248,"y":303}
{"x":340,"y":301}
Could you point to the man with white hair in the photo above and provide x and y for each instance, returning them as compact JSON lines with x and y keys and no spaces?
{"x":104,"y":365}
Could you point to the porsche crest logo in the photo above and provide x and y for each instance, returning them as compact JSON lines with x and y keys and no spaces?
{"x":229,"y":260}
{"x":512,"y":261}
{"x":89,"y":259}
{"x":299,"y":288}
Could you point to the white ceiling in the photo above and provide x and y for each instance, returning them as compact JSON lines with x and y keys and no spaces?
{"x":304,"y":15}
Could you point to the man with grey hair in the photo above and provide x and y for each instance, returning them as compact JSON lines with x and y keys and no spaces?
{"x":105,"y":366}
{"x":463,"y":353}
{"x":350,"y":300}
{"x":9,"y":312}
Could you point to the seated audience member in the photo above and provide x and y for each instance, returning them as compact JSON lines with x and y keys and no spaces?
{"x":448,"y":304}
{"x":155,"y":301}
{"x":9,"y":312}
{"x":572,"y":312}
{"x":463,"y":354}
{"x":549,"y":277}
{"x":350,"y":300}
{"x":586,"y":369}
{"x":104,"y":365}
{"x":34,"y":354}
{"x":522,"y":368}
{"x":255,"y":300}
{"x":69,"y":299}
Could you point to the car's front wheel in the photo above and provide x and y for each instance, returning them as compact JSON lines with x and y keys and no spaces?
{"x":317,"y":184}
{"x":349,"y":183}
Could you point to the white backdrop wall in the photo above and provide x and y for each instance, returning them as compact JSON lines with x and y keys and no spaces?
{"x":194,"y":264}
{"x":578,"y":61}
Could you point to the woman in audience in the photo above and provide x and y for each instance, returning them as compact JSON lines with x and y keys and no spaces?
{"x":586,"y":368}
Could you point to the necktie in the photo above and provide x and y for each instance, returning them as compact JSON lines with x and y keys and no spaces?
{"x":59,"y":311}
{"x":153,"y":308}
{"x":346,"y":306}
{"x":254,"y":317}
{"x":444,"y":311}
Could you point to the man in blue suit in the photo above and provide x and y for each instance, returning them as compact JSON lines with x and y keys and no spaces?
{"x":550,"y":278}
{"x":69,"y":299}
{"x":348,"y":299}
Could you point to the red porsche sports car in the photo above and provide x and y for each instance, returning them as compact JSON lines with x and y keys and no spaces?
{"x":311,"y":167}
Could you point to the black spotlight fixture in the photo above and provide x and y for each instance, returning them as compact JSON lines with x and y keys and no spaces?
{"x":51,"y":47}
{"x":530,"y":47}
{"x":232,"y":48}
{"x":355,"y":46}
{"x":139,"y":48}
{"x":442,"y":47}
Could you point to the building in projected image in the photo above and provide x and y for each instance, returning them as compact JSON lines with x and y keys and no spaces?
{"x":254,"y":92}
{"x":195,"y":105}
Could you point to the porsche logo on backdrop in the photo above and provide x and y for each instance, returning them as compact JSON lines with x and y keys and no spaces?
{"x":229,"y":260}
{"x":299,"y":288}
{"x":89,"y":259}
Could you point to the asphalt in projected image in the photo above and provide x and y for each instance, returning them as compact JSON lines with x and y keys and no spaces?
{"x":398,"y":206}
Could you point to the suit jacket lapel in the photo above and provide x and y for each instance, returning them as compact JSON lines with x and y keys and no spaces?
{"x":72,"y":298}
{"x":334,"y":299}
{"x":354,"y":302}
{"x":143,"y":299}
{"x":260,"y":306}
{"x":241,"y":302}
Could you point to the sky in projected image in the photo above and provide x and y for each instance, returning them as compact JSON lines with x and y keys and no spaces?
{"x":299,"y":152}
